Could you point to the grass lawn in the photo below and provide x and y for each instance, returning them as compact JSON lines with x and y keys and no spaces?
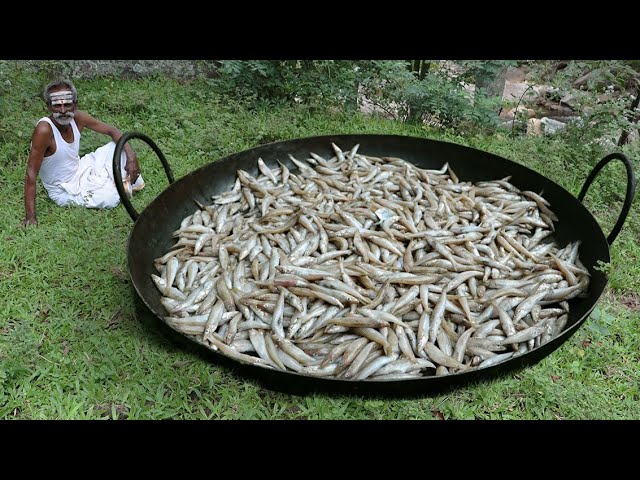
{"x":77,"y":343}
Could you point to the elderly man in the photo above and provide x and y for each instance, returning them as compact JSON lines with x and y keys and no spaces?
{"x":54,"y":155}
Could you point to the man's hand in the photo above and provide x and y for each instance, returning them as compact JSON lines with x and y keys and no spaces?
{"x":29,"y":221}
{"x":133,"y":170}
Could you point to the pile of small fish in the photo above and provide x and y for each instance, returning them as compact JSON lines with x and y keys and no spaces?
{"x":364,"y":268}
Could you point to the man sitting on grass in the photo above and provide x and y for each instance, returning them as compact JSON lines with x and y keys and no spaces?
{"x":55,"y":146}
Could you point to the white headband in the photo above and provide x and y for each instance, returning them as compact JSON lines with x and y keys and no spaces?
{"x":59,"y":98}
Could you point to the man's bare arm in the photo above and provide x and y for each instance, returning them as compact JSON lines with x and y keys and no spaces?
{"x":83,"y":119}
{"x":39,"y":142}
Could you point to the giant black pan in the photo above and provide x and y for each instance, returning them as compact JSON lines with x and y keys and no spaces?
{"x":151,"y":235}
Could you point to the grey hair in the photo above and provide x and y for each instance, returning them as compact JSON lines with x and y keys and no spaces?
{"x":59,"y":83}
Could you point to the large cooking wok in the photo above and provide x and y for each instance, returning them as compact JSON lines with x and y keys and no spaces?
{"x":151,"y":235}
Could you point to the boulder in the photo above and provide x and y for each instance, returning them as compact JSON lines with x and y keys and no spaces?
{"x":534,"y":127}
{"x":552,"y":126}
{"x":513,"y":91}
{"x":515,"y":75}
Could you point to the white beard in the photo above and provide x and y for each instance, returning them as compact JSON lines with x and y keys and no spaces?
{"x":63,"y":120}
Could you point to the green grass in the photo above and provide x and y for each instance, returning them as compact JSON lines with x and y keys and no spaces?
{"x":75,"y":342}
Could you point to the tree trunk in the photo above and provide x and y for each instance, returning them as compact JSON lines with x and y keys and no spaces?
{"x":419,"y":68}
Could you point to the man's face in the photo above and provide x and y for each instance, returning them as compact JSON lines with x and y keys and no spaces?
{"x":62,"y":106}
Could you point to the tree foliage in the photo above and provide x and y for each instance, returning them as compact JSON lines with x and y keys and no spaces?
{"x":391,"y":87}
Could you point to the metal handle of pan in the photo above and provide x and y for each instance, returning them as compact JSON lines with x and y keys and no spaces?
{"x":631,"y":187}
{"x":117,"y":174}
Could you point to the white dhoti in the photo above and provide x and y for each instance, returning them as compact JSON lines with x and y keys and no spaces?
{"x":93,"y":184}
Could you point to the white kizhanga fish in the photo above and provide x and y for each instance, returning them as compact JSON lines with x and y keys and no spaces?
{"x":369,"y":269}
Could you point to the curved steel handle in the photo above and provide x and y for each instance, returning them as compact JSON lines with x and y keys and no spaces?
{"x":631,"y":187}
{"x":117,"y":175}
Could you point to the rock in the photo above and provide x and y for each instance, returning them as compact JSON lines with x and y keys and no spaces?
{"x":514,"y":90}
{"x":509,"y":125}
{"x":570,"y":101}
{"x":534,"y":127}
{"x":507,"y":113}
{"x":492,"y":83}
{"x":552,"y":126}
{"x":515,"y":75}
{"x":582,"y":80}
{"x":561,"y":65}
{"x":547,"y":108}
{"x":568,"y":119}
{"x":469,"y":87}
{"x":544,"y":90}
{"x":523,"y":112}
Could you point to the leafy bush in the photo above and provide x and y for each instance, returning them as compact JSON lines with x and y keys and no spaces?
{"x":437,"y":97}
{"x":389,"y":85}
{"x":314,"y":82}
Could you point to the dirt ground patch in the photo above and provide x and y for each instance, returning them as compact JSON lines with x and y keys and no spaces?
{"x":631,"y":301}
{"x":105,"y":410}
